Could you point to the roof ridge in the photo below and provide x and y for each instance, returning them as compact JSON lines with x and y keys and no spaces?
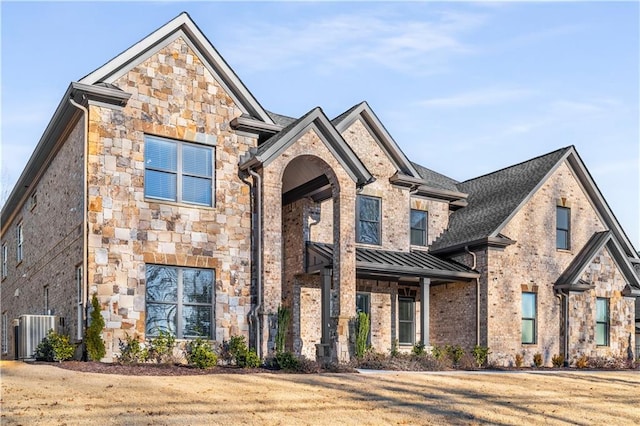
{"x":518,"y":164}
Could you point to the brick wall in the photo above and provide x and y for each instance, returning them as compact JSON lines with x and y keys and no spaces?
{"x":52,"y":241}
{"x":453,"y":314}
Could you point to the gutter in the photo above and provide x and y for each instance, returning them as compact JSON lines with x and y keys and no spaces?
{"x":85,"y":231}
{"x":255,"y":311}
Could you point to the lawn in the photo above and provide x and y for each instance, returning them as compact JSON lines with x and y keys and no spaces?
{"x":47,"y":395}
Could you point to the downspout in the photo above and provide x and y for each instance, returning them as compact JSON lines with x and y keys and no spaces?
{"x":473,"y":266}
{"x":85,"y":242}
{"x":255,"y":311}
{"x":564,"y":306}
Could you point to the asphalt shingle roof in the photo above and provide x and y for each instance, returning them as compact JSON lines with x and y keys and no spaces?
{"x":436,"y":179}
{"x":493,"y":197}
{"x":281,"y":120}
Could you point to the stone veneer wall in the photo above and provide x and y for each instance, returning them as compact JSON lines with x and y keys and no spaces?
{"x":52,"y":246}
{"x":395,"y":200}
{"x":534,"y":263}
{"x":604,"y":273}
{"x":173,"y":96}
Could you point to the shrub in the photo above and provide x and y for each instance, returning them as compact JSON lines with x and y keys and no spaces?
{"x":467,"y":362}
{"x":454,"y":353}
{"x":200,"y":354}
{"x":161,"y":347}
{"x":287,"y":361}
{"x":394,"y":348}
{"x":537,"y":359}
{"x":480,"y":354}
{"x":557,"y":360}
{"x":284,"y":317}
{"x":55,"y":347}
{"x":438,"y":352}
{"x":519,"y":360}
{"x":615,"y":363}
{"x":582,"y":362}
{"x":418,"y":349}
{"x":362,"y":334}
{"x":95,"y":345}
{"x":235,"y":351}
{"x":132,"y":351}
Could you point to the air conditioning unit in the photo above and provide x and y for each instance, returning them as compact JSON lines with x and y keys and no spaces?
{"x":31,"y":331}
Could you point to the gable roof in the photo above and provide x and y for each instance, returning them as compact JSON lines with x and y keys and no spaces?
{"x":182,"y":26}
{"x":380,"y":134}
{"x":494,"y":198}
{"x":436,"y":179}
{"x":317,"y":120}
{"x":571,"y":280}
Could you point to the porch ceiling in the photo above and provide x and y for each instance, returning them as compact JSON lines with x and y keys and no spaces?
{"x":415,"y":263}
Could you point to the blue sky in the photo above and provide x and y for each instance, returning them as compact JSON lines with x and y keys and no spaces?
{"x":464,"y":88}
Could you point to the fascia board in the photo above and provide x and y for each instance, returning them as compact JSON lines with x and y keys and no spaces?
{"x":423,"y":188}
{"x":380,"y":134}
{"x":182,"y":26}
{"x":535,"y":189}
{"x":619,"y":256}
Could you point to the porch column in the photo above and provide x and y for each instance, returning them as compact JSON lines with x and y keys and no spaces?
{"x":425,"y":284}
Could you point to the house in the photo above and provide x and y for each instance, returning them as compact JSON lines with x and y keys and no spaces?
{"x":163,"y":186}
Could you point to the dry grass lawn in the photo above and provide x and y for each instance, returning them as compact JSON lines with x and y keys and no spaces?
{"x":48,"y":395}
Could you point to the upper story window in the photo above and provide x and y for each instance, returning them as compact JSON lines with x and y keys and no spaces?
{"x":5,"y":260}
{"x":418,"y":227}
{"x":19,"y":242}
{"x":602,"y":321}
{"x":368,"y":225}
{"x":529,"y":315}
{"x":563,"y":228}
{"x":179,"y":301}
{"x":178,"y":171}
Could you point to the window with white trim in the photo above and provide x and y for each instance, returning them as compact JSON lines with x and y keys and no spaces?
{"x":178,"y":171}
{"x":19,"y":243}
{"x":602,"y":321}
{"x":5,"y":260}
{"x":179,"y":301}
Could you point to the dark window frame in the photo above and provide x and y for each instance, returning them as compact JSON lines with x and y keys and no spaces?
{"x":180,"y":174}
{"x":423,"y":231}
{"x":563,"y":231}
{"x":526,"y":319}
{"x":411,"y":321}
{"x":359,"y":219}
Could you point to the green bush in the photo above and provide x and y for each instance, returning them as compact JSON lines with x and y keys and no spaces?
{"x":418,"y":349}
{"x":537,"y":359}
{"x":200,"y":354}
{"x":287,"y":361}
{"x":438,"y":352}
{"x":394,"y":349}
{"x":480,"y":354}
{"x":95,"y":344}
{"x":132,"y":351}
{"x":236,"y":352}
{"x":161,"y":347}
{"x":284,"y":318}
{"x":362,"y":334}
{"x":455,"y":353}
{"x":55,"y":347}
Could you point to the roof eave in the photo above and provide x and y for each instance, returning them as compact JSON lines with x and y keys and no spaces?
{"x":422,"y":187}
{"x":371,"y":267}
{"x":251,"y":125}
{"x":492,"y":242}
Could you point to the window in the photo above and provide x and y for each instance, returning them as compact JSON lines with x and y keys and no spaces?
{"x":406,"y":321}
{"x":5,"y":260}
{"x":80,"y":303}
{"x":5,"y":333}
{"x":19,"y":242}
{"x":178,"y":171}
{"x":179,"y":301}
{"x":602,"y":321}
{"x":368,"y":229}
{"x":418,"y":227}
{"x":529,"y":318}
{"x":563,"y":224}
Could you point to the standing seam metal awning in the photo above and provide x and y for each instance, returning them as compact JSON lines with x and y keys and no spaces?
{"x":415,"y":263}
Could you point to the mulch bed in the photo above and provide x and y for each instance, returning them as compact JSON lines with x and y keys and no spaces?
{"x":151,"y":369}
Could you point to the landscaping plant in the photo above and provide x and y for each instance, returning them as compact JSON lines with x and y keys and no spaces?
{"x":362,"y":334}
{"x":95,"y":345}
{"x":199,"y":353}
{"x":537,"y":359}
{"x":132,"y":351}
{"x":480,"y":354}
{"x":284,"y":318}
{"x":557,"y":360}
{"x":54,"y":347}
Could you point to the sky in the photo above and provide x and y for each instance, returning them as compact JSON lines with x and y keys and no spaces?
{"x":464,"y":88}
